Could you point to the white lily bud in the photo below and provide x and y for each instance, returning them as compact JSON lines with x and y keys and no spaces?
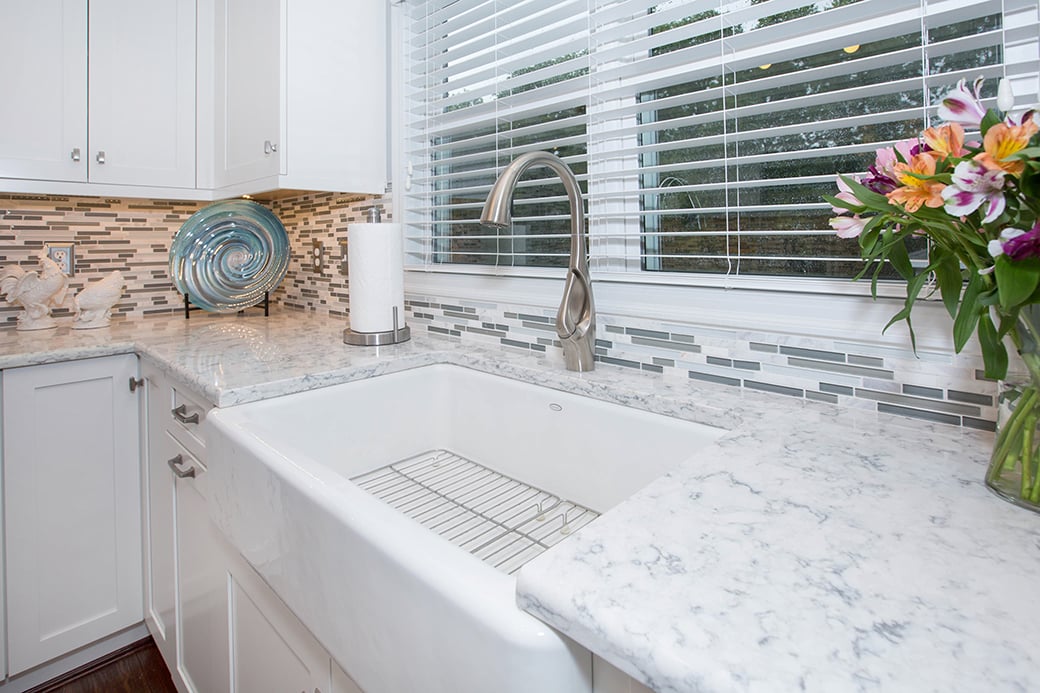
{"x":1005,"y":97}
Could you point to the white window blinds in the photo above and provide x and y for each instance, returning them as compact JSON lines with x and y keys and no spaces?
{"x":703,"y":133}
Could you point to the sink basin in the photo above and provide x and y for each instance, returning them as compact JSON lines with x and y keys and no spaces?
{"x":400,"y":602}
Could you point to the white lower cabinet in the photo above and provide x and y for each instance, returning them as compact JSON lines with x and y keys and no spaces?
{"x":202,"y":594}
{"x":219,"y":626}
{"x":270,"y":648}
{"x":3,"y":610}
{"x":71,"y":505}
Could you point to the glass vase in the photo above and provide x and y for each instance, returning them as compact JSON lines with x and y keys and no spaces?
{"x":1014,"y":467}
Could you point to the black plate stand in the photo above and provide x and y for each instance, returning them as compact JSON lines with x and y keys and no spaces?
{"x":265,"y":304}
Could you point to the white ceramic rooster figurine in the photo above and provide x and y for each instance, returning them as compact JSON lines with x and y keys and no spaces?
{"x":94,"y":301}
{"x":36,"y":292}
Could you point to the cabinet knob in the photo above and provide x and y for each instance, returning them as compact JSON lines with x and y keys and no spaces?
{"x":175,"y":465}
{"x":181,"y":414}
{"x":270,"y":147}
{"x":100,"y":156}
{"x":74,"y":154}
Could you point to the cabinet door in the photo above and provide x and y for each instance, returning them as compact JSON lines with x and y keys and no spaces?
{"x":142,"y":92}
{"x":335,"y":94}
{"x":202,"y":587}
{"x":159,"y":534}
{"x":271,"y":650}
{"x":3,"y":624}
{"x":43,"y":107}
{"x":72,"y":502}
{"x":341,"y":683}
{"x":247,"y":87}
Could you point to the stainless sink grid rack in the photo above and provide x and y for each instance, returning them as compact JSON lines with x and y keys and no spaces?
{"x":500,"y":520}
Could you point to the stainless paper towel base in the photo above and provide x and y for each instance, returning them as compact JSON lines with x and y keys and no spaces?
{"x":376,"y":338}
{"x":395,"y":336}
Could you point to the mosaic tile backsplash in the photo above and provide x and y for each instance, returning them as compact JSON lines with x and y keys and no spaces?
{"x":935,"y":386}
{"x":134,"y":236}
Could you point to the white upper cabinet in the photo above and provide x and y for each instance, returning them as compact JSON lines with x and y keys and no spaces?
{"x":299,"y":96}
{"x":246,"y":120}
{"x":193,"y":99}
{"x":142,"y":93}
{"x":43,"y":110}
{"x":135,"y":123}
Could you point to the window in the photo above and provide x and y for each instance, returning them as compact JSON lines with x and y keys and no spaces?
{"x":703,"y":133}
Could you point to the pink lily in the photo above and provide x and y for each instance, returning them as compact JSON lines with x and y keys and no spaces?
{"x":846,"y":195}
{"x":963,"y":106}
{"x":848,"y":227}
{"x":973,"y":185}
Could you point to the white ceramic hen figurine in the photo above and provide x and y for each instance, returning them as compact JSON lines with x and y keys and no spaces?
{"x":94,"y":301}
{"x":36,"y":292}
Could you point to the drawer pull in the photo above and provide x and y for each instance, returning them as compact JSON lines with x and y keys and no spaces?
{"x":180,"y":413}
{"x":175,"y":463}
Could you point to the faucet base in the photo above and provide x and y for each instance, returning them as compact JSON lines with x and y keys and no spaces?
{"x":579,"y":355}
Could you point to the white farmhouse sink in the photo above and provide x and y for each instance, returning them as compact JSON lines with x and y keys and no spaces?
{"x":398,"y":605}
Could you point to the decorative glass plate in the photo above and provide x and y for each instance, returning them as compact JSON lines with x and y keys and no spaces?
{"x":226,"y":255}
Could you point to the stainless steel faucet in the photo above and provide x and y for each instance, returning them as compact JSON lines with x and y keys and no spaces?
{"x":576,"y":318}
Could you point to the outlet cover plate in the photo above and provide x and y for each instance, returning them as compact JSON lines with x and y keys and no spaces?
{"x":317,"y":255}
{"x":64,"y":254}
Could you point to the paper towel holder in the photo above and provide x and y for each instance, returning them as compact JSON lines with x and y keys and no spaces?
{"x":394,"y":336}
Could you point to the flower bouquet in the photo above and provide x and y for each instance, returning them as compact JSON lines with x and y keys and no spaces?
{"x":978,"y":205}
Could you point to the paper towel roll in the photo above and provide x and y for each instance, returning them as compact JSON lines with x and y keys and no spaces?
{"x":375,"y":262}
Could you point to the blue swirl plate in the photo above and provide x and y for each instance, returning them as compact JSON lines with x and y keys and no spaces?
{"x":226,"y":255}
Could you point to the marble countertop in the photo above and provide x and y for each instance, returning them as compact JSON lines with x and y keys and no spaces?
{"x":811,"y":547}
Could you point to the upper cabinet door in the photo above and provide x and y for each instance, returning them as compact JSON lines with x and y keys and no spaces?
{"x":299,"y":96}
{"x":43,"y":127}
{"x":247,"y":143}
{"x":142,"y":92}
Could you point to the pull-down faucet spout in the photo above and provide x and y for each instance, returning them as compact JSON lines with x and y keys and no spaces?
{"x":576,"y":318}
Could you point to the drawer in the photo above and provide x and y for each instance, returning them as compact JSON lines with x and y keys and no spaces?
{"x":187,"y":422}
{"x":184,"y":464}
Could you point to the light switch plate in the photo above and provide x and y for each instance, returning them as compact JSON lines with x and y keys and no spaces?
{"x":64,"y":255}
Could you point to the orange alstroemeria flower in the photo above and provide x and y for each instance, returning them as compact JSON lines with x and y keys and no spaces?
{"x":915,"y":191}
{"x":1003,"y":140}
{"x":944,"y":141}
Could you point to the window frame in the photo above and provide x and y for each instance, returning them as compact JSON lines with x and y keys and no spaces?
{"x":838,"y":308}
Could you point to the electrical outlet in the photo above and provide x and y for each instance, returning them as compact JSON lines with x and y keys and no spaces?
{"x":317,"y":255}
{"x":64,"y":255}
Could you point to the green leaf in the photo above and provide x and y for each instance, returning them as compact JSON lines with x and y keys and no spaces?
{"x":994,"y":354}
{"x":1027,"y":153}
{"x":1017,"y":280}
{"x":968,"y":314}
{"x":989,"y":120}
{"x":868,"y":240}
{"x":913,"y":289}
{"x":898,"y":255}
{"x":842,"y":204}
{"x":867,"y":196}
{"x":950,"y":280}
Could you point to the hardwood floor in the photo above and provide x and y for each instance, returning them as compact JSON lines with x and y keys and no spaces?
{"x":137,"y":668}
